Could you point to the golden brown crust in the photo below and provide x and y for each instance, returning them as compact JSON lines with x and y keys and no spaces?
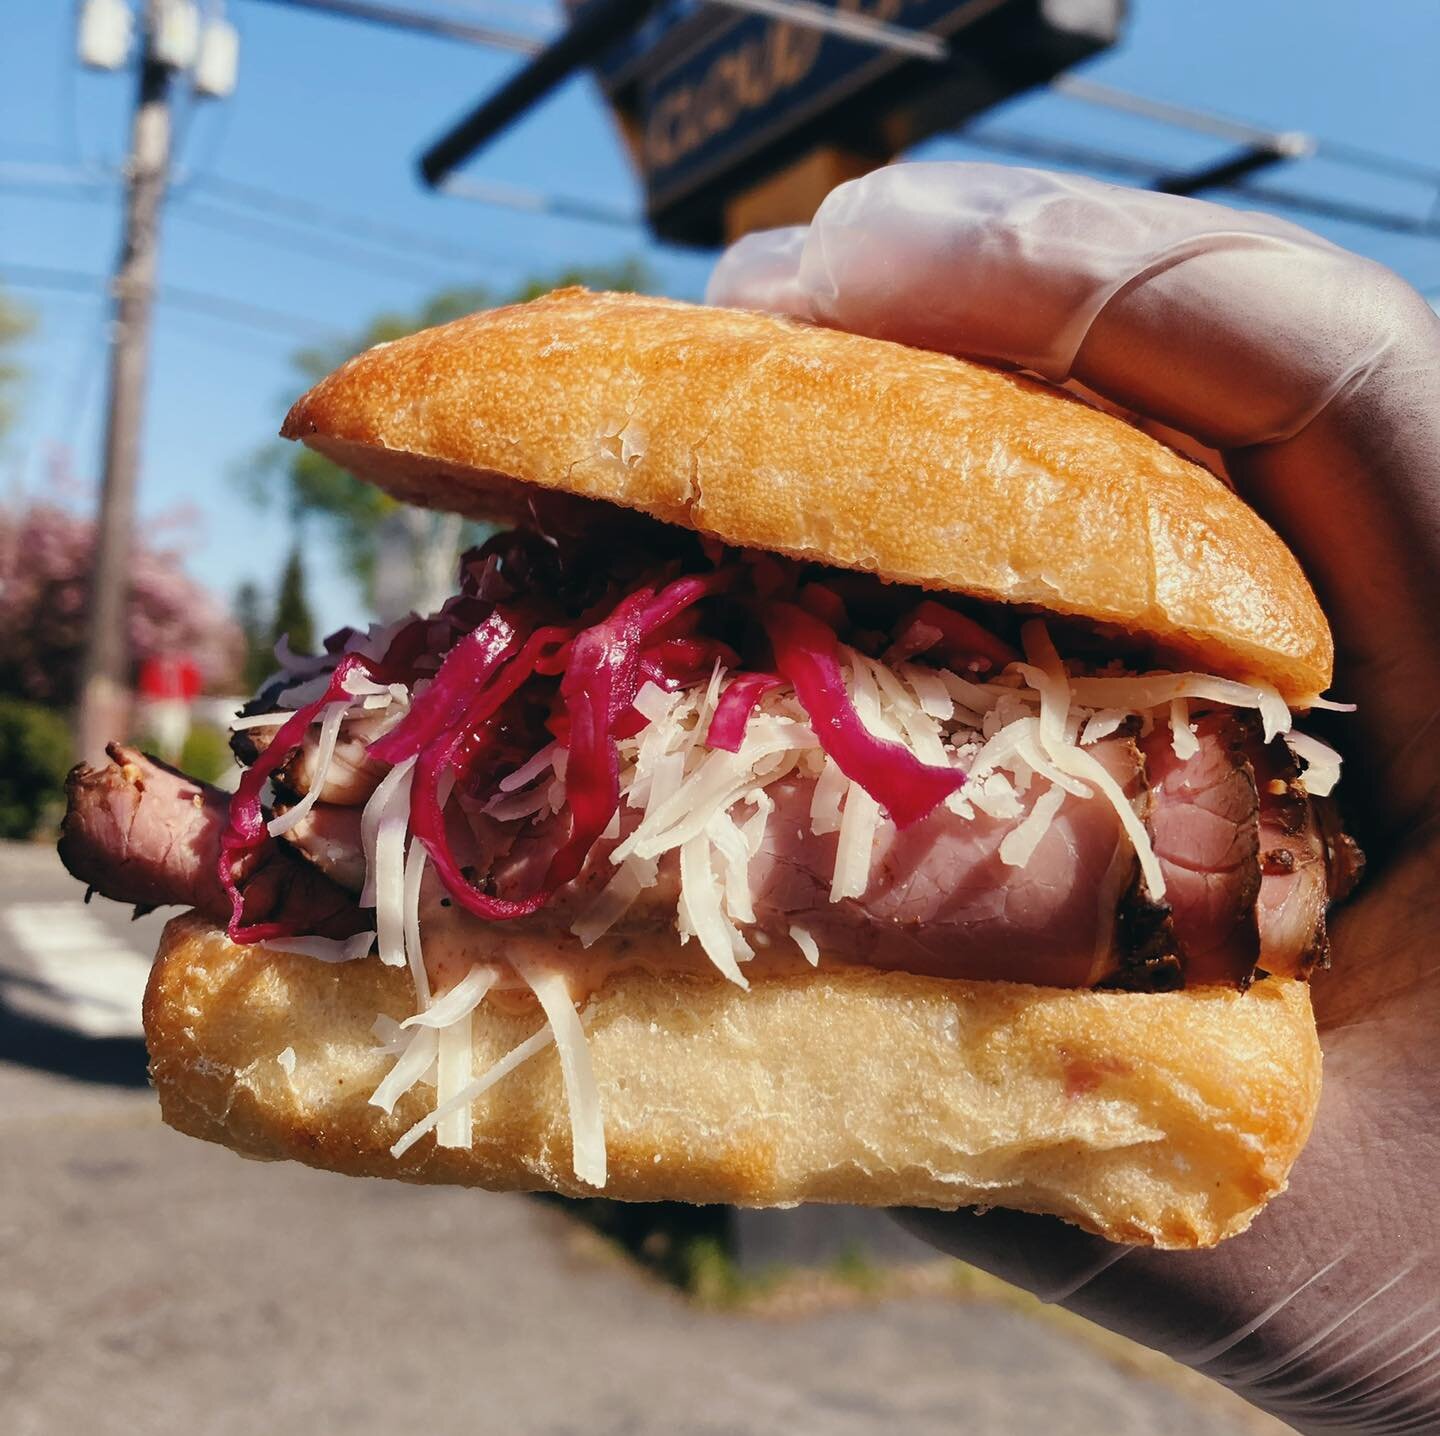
{"x":1158,"y":1119}
{"x":771,"y":434}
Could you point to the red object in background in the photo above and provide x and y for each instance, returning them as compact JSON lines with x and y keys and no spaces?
{"x":169,"y":678}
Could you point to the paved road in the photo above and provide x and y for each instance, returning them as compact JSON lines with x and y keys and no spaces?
{"x":152,"y":1284}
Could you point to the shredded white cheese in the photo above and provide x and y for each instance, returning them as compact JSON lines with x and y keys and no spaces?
{"x":700,"y":909}
{"x":1019,"y":844}
{"x":929,"y":690}
{"x":325,"y":949}
{"x":452,"y":1076}
{"x":617,"y":897}
{"x":537,"y":1042}
{"x":527,"y":773}
{"x":389,"y":868}
{"x":652,"y":702}
{"x":261,"y":720}
{"x":1145,"y":692}
{"x":1182,"y":735}
{"x":459,"y":1002}
{"x":414,"y":954}
{"x":582,"y":1094}
{"x":1014,"y":733}
{"x":389,"y":1035}
{"x":830,"y":789}
{"x":415,"y":1064}
{"x":1102,"y":725}
{"x":1048,"y":675}
{"x":1322,"y":763}
{"x":375,"y":809}
{"x":858,"y":826}
{"x":333,"y":717}
{"x":809,"y":948}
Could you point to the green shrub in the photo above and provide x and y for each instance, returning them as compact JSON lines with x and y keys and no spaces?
{"x":206,"y":754}
{"x":34,"y":757}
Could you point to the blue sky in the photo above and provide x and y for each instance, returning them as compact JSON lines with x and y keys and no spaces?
{"x":334,"y":113}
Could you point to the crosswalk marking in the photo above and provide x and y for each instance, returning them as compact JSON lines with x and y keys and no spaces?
{"x":64,"y":966}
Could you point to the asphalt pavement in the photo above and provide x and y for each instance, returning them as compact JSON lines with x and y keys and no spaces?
{"x":153,"y":1284}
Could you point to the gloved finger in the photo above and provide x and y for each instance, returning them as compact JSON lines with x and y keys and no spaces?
{"x":760,"y":271}
{"x":1019,"y":266}
{"x":1327,"y":1311}
{"x":1316,"y":370}
{"x":1312,"y":1329}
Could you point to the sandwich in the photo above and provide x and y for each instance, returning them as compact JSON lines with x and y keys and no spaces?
{"x":845,"y":774}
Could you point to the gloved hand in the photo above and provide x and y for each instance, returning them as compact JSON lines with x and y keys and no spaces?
{"x":1317,"y":374}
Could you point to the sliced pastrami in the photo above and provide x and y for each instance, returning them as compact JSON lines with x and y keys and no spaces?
{"x":941,"y":900}
{"x":352,"y":775}
{"x":140,"y":832}
{"x":1204,"y":824}
{"x":1294,"y":890}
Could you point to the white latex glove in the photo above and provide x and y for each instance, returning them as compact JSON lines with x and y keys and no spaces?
{"x":1317,"y":373}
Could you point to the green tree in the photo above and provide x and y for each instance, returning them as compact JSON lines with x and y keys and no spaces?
{"x":354,"y":513}
{"x":293,"y":619}
{"x":259,"y":656}
{"x":15,"y":324}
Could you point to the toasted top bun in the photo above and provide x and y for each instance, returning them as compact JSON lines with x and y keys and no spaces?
{"x":770,"y":434}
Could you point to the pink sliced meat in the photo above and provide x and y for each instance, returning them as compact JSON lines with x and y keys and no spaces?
{"x":1293,"y":888}
{"x":140,"y":832}
{"x":942,"y":901}
{"x":1204,"y":824}
{"x":329,"y":836}
{"x":939,"y":899}
{"x":351,"y":776}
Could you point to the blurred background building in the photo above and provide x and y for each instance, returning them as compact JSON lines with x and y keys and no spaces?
{"x":286,"y":181}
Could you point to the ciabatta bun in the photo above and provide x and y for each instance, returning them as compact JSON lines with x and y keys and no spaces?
{"x":1164,"y":1119}
{"x":856,"y":452}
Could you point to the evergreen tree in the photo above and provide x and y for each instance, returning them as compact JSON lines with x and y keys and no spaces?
{"x":293,"y":619}
{"x":259,"y":657}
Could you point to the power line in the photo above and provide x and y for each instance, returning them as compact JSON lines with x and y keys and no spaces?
{"x":1060,"y":152}
{"x":1427,"y":227}
{"x":305,"y":211}
{"x":1296,"y":143}
{"x":1376,"y":162}
{"x":1048,"y":151}
{"x":542,"y":18}
{"x":67,"y":394}
{"x":436,"y":25}
{"x":196,"y":301}
{"x":305,"y":242}
{"x":62,"y":182}
{"x":529,"y":201}
{"x":1240,"y":132}
{"x":41,"y":174}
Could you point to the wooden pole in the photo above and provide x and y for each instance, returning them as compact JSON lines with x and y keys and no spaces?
{"x":105,"y":675}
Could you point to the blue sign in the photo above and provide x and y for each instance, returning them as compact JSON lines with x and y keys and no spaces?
{"x":750,"y":94}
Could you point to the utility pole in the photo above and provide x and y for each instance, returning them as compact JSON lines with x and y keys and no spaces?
{"x":104,"y":684}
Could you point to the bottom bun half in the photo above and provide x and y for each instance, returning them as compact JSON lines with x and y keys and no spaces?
{"x":1162,"y":1119}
